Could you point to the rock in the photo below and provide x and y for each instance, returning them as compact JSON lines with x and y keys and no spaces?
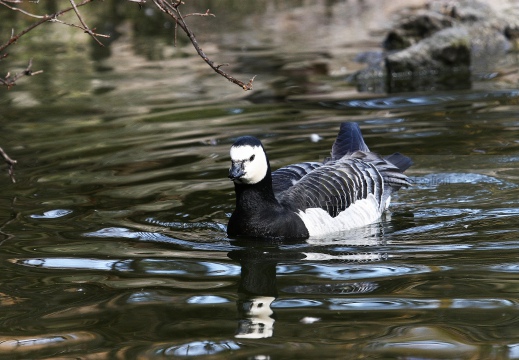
{"x":414,"y":28}
{"x":445,"y":57}
{"x":444,"y":45}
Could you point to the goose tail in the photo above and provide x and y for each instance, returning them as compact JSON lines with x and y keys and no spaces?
{"x":348,"y":141}
{"x":402,"y":162}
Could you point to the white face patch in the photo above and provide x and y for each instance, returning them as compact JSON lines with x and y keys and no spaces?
{"x":253,"y":161}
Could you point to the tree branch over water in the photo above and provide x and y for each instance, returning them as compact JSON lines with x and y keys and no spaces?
{"x":172,"y":8}
{"x":42,"y":19}
{"x":9,"y":80}
{"x":169,"y":7}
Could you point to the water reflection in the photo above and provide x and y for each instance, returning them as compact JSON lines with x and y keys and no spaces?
{"x":257,"y":290}
{"x":259,"y":261}
{"x":113,"y":239}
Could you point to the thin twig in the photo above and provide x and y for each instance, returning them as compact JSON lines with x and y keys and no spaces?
{"x":172,"y":9}
{"x":85,"y":26}
{"x":82,"y":28}
{"x":207,"y":13}
{"x":20,"y":10}
{"x":10,"y":162}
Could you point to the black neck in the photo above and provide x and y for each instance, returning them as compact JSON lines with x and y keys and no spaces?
{"x":259,"y":214}
{"x":248,"y":196}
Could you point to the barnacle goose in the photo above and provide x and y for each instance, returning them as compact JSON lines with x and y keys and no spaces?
{"x":352,"y":188}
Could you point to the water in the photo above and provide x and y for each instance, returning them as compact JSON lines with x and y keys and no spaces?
{"x":113,"y":242}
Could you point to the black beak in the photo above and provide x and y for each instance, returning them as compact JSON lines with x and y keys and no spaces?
{"x":236,"y":171}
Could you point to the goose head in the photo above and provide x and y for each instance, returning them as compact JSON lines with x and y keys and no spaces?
{"x":249,"y":164}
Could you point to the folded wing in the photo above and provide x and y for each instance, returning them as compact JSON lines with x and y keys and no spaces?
{"x":337,"y":185}
{"x":286,"y":177}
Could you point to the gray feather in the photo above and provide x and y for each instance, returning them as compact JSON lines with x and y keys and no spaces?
{"x":338,"y":184}
{"x":285,"y":177}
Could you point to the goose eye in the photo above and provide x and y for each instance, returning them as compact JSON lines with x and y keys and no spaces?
{"x":252,"y":157}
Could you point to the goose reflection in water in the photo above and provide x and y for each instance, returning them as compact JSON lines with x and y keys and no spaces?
{"x":259,"y":261}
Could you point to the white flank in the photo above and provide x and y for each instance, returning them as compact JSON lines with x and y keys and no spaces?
{"x":256,"y":169}
{"x":361,"y":213}
{"x":368,"y":235}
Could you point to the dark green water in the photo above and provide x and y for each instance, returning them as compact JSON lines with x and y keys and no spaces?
{"x":113,"y":241}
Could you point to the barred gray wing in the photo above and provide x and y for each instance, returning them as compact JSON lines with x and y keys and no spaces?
{"x":335,"y":186}
{"x":286,"y":177}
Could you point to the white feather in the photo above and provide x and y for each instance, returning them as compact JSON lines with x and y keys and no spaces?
{"x":388,"y":201}
{"x":361,"y":213}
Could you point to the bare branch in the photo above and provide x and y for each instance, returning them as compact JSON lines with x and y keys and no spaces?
{"x":44,"y":19}
{"x":82,"y":28}
{"x":11,"y":81}
{"x":85,"y":26}
{"x":172,"y":9}
{"x":10,"y":162}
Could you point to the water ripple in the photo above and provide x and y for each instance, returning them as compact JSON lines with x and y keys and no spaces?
{"x":52,"y":214}
{"x":295,"y":303}
{"x":146,"y":266}
{"x":23,"y":345}
{"x":424,"y":342}
{"x":199,"y":348}
{"x":432,"y":180}
{"x":339,"y":288}
{"x":364,"y":271}
{"x":430,"y":100}
{"x":159,"y":237}
{"x":388,"y":303}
